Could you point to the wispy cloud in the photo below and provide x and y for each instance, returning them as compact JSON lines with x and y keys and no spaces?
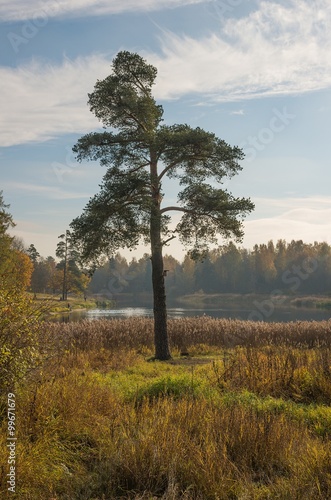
{"x":41,"y":101}
{"x":276,"y":50}
{"x":55,"y":193}
{"x":22,"y":9}
{"x":298,"y":218}
{"x":262,"y":230}
{"x":296,"y":202}
{"x":306,"y":218}
{"x":291,"y":218}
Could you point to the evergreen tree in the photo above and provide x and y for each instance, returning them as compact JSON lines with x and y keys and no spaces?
{"x":139,"y":153}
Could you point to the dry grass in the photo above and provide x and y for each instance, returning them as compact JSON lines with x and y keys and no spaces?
{"x":301,"y":375}
{"x":187,"y":333}
{"x":251,"y":421}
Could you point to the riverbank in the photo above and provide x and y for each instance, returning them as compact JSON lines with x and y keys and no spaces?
{"x":197,"y":300}
{"x":53,"y":305}
{"x":249,"y":301}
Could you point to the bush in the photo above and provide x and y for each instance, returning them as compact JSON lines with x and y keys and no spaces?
{"x":19,"y":332}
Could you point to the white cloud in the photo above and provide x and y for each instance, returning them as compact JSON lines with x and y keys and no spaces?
{"x":275,"y":50}
{"x":288,"y":204}
{"x":12,"y":10}
{"x":307,"y":219}
{"x":41,"y":101}
{"x":262,"y":230}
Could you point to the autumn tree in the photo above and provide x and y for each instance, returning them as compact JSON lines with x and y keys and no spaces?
{"x":15,"y":266}
{"x":33,"y":253}
{"x":19,"y":320}
{"x":73,"y":278}
{"x":139,"y":152}
{"x":6,"y":223}
{"x":43,"y":275}
{"x":63,"y":252}
{"x":228,"y":267}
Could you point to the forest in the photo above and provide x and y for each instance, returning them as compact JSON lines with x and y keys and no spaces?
{"x":288,"y":267}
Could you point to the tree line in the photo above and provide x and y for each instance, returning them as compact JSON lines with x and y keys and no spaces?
{"x":288,"y":267}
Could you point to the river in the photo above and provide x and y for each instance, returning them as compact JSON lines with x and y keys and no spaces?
{"x":274,"y":315}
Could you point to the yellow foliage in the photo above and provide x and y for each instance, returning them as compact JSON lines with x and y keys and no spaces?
{"x":16,"y":270}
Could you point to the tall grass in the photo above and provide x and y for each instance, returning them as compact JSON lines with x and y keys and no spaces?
{"x":245,"y":416}
{"x":301,"y":375}
{"x":79,"y":440}
{"x":187,"y":333}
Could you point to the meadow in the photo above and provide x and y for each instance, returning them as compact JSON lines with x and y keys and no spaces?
{"x":242,"y":411}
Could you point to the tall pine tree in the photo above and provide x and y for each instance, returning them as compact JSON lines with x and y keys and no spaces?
{"x":139,"y":153}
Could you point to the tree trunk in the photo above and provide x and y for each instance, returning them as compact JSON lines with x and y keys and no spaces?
{"x":161,"y":341}
{"x":64,"y":284}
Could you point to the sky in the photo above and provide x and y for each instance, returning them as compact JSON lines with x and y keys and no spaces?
{"x":256,"y":73}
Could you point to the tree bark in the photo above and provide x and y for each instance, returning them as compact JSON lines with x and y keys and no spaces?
{"x":161,"y":341}
{"x":65,"y":287}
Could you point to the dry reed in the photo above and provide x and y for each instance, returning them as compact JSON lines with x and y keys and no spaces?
{"x":188,"y":332}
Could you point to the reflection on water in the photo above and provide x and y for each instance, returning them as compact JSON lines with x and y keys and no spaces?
{"x":125,"y":312}
{"x":282,"y":315}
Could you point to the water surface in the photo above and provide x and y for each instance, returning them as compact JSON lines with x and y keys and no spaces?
{"x":277,"y":315}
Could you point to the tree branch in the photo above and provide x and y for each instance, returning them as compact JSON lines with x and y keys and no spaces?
{"x":131,"y":115}
{"x":169,"y":239}
{"x":194,"y":157}
{"x":128,"y":172}
{"x":178,"y":209}
{"x":166,"y":169}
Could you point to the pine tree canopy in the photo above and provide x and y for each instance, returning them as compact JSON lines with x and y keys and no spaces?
{"x":138,"y":152}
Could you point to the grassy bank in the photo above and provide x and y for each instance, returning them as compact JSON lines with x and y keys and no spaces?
{"x":53,"y":304}
{"x":246,"y":301}
{"x":245,"y":415}
{"x":312,"y":301}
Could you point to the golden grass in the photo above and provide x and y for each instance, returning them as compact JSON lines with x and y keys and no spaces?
{"x":245,"y":421}
{"x":302,"y":375}
{"x":187,"y":333}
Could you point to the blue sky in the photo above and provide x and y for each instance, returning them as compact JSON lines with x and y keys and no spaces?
{"x":256,"y":73}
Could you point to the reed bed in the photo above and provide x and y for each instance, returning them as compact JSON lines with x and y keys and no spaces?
{"x":186,"y":333}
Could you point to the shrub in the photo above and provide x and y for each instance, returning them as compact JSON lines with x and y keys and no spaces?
{"x":19,"y":331}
